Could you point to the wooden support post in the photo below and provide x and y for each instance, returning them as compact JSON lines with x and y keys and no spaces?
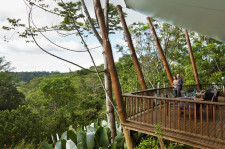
{"x":166,"y":66}
{"x":192,"y":59}
{"x":132,"y":50}
{"x":113,"y":72}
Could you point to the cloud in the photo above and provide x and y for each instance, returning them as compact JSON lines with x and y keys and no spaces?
{"x":28,"y":57}
{"x":9,"y":7}
{"x":121,"y":42}
{"x":31,"y":61}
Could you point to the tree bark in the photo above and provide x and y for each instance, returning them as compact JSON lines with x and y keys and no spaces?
{"x":192,"y":59}
{"x":108,"y":85}
{"x":166,"y":66}
{"x":132,"y":50}
{"x":106,"y":12}
{"x":113,"y":72}
{"x":91,"y":23}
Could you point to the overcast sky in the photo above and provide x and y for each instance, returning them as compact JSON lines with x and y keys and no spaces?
{"x":28,"y":57}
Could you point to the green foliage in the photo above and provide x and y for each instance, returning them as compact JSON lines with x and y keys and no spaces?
{"x":114,"y":19}
{"x":59,"y":90}
{"x":79,"y":99}
{"x":208,"y":53}
{"x":21,"y":124}
{"x":26,"y":145}
{"x":158,"y":131}
{"x":10,"y":97}
{"x":154,"y":142}
{"x":93,"y":136}
{"x":45,"y":145}
{"x":27,"y":76}
{"x":149,"y":143}
{"x":127,"y":74}
{"x":5,"y":66}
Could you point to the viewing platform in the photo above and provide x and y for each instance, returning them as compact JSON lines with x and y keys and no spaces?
{"x":197,"y":123}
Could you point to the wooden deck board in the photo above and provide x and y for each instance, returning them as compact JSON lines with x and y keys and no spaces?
{"x":174,"y":122}
{"x":174,"y":136}
{"x":185,"y":137}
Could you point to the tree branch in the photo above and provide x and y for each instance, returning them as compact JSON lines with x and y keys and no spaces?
{"x":85,"y":45}
{"x":91,"y":23}
{"x":29,"y":21}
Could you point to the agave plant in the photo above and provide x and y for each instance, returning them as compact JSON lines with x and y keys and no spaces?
{"x":94,"y":136}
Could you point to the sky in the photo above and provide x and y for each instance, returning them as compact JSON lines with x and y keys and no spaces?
{"x":28,"y":57}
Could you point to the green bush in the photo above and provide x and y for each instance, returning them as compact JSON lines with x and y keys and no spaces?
{"x":21,"y":124}
{"x":26,"y":145}
{"x":10,"y":97}
{"x":158,"y":142}
{"x":94,"y":136}
{"x":153,"y":143}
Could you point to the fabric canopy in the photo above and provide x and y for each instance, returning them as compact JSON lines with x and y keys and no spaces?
{"x":203,"y":16}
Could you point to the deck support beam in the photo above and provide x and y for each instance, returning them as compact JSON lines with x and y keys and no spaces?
{"x":112,"y":69}
{"x":192,"y":59}
{"x":132,"y":50}
{"x":166,"y":66}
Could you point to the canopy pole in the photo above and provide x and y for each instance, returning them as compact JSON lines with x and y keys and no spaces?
{"x":113,"y":73}
{"x":132,"y":50}
{"x":166,"y":66}
{"x":192,"y":59}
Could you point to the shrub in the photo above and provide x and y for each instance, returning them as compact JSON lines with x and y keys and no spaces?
{"x":21,"y":124}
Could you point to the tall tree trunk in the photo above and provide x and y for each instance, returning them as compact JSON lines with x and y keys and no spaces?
{"x":192,"y":59}
{"x":132,"y":50}
{"x":164,"y":61}
{"x":108,"y":84}
{"x":113,"y":73}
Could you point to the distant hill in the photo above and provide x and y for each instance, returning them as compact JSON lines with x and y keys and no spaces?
{"x":27,"y":76}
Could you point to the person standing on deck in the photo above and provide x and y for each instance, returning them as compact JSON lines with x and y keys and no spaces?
{"x":179,"y":85}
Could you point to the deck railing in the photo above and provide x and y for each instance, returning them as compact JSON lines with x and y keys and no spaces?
{"x":198,"y":118}
{"x":168,"y":91}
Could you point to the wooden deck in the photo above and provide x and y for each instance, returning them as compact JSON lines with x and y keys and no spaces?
{"x":188,"y":139}
{"x":204,"y":129}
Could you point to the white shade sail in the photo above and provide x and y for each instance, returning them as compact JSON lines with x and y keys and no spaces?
{"x":203,"y":16}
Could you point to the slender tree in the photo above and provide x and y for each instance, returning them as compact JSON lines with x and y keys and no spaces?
{"x":5,"y":66}
{"x":113,"y":72}
{"x":108,"y":85}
